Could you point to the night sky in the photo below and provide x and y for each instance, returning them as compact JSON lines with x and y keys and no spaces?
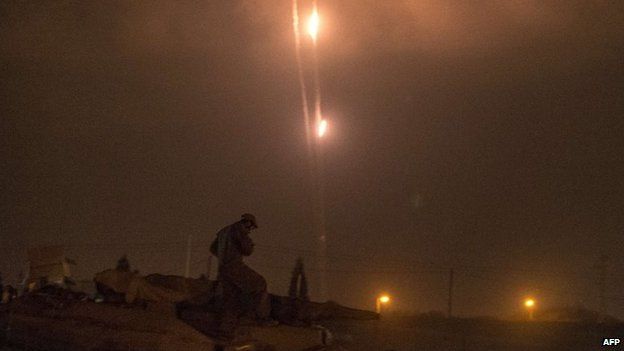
{"x":483,"y":136}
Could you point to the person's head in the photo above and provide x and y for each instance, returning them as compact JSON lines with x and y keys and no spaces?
{"x":249,"y":221}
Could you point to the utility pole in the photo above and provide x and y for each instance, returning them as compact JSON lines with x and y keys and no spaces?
{"x":602,"y":266}
{"x":450,"y":294}
{"x":187,"y":269}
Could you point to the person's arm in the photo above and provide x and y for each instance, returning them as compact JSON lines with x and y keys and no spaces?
{"x":245,"y":244}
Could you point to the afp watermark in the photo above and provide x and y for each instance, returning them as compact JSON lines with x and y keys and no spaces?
{"x":610,"y":342}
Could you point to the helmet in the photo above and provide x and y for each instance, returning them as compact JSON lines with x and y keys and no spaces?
{"x":251,"y":218}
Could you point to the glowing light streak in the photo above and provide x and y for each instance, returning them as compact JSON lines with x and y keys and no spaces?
{"x":313,"y":24}
{"x":302,"y":85}
{"x":322,"y":128}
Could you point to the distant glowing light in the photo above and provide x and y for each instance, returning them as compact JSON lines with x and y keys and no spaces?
{"x":322,"y":128}
{"x":313,"y":24}
{"x":381,"y":301}
{"x":529,"y":303}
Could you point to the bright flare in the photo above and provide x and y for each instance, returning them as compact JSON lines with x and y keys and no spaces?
{"x":529,"y":303}
{"x":384,"y":299}
{"x":313,"y":24}
{"x":322,"y":128}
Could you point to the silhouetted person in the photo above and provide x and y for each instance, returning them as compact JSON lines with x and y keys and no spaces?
{"x":242,"y":290}
{"x":123,"y":264}
{"x":298,"y":288}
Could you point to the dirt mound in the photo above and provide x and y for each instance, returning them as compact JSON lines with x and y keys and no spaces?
{"x":48,"y":323}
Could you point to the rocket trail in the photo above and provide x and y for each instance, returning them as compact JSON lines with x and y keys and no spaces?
{"x":313,"y":140}
{"x":313,"y":29}
{"x":302,"y":85}
{"x":318,"y":116}
{"x":320,"y":126}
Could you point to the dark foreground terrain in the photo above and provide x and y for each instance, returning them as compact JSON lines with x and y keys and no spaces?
{"x":474,"y":335}
{"x":467,"y":335}
{"x":45,"y":321}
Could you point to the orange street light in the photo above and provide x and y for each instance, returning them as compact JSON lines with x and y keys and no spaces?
{"x":381,"y":300}
{"x":529,"y":303}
